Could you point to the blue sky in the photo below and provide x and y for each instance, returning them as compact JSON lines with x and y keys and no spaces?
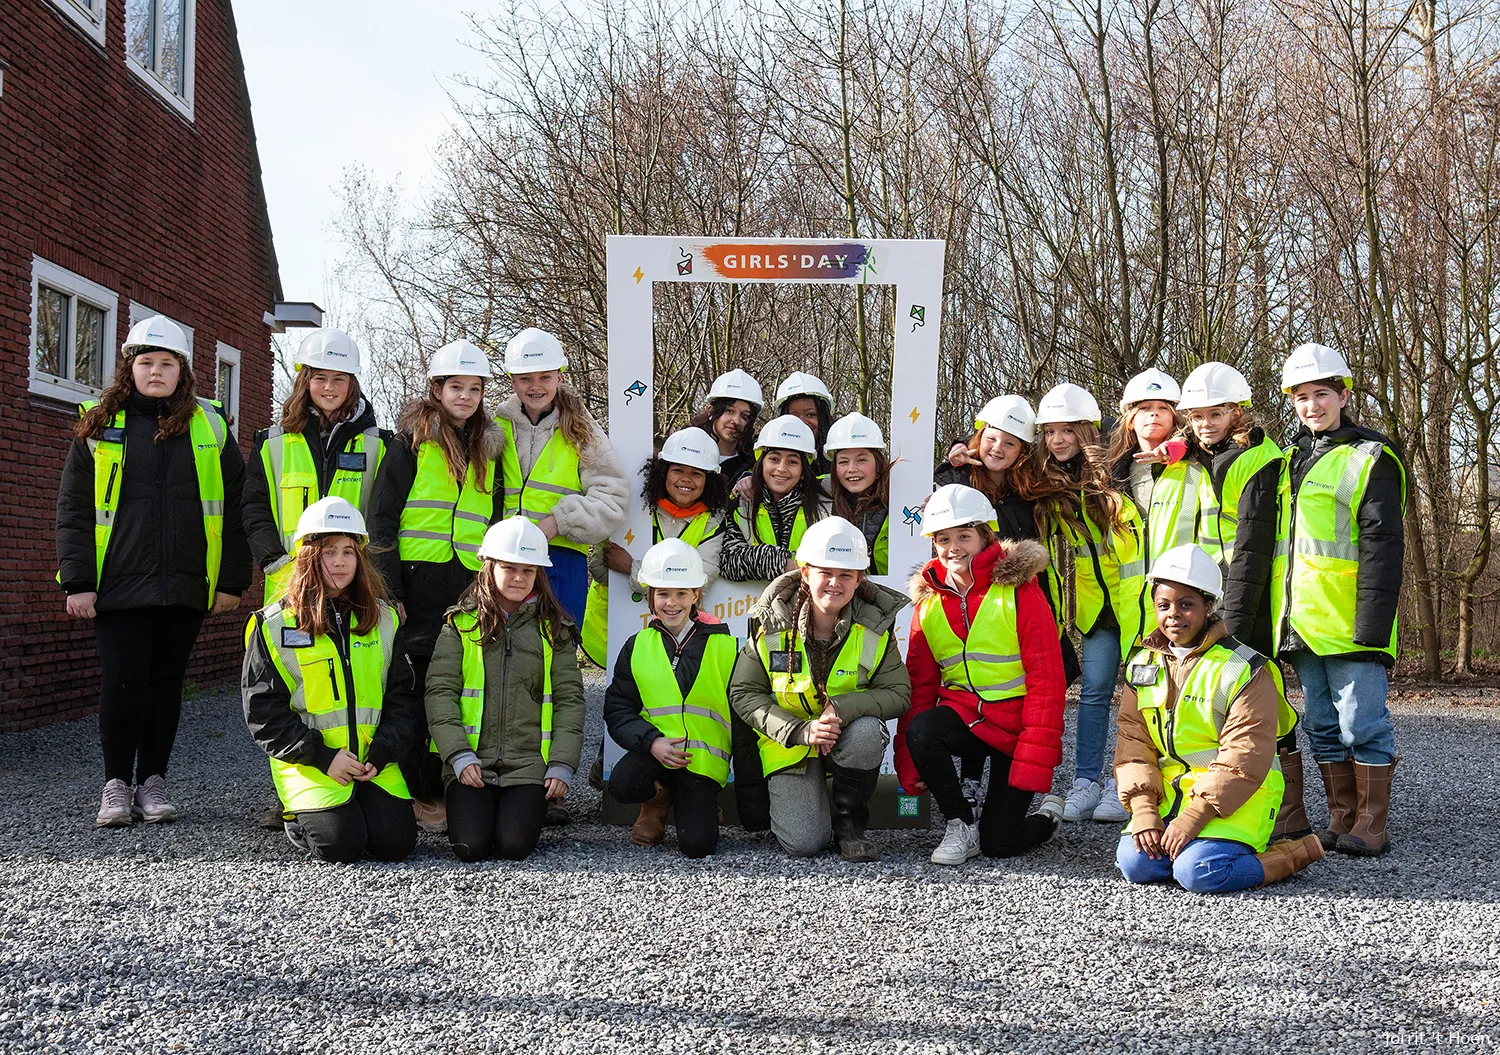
{"x":328,"y":90}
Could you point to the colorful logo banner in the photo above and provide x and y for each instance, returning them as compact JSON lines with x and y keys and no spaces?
{"x":789,"y":261}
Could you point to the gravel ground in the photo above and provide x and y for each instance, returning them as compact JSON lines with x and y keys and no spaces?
{"x":210,"y":935}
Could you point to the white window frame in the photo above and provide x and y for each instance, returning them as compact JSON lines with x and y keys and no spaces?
{"x":139,"y":313}
{"x":231,"y":399}
{"x":87,"y":14}
{"x":44,"y":272}
{"x":183,"y":103}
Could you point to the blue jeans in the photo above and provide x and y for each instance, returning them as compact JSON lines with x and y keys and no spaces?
{"x":1101,"y":670}
{"x":1205,"y":866}
{"x":569,"y":578}
{"x":1347,"y":717}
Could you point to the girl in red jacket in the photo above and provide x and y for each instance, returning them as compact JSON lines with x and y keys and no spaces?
{"x":986,"y":678}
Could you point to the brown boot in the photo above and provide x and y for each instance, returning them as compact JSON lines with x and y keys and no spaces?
{"x":1343,"y":801}
{"x":1368,"y":837}
{"x":1288,"y":857}
{"x":650,"y":827}
{"x":1291,"y":822}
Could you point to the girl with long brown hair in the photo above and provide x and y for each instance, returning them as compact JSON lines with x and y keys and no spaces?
{"x":149,"y":541}
{"x":505,"y":700}
{"x":326,"y":443}
{"x":1086,"y":522}
{"x":859,"y":483}
{"x":437,"y":491}
{"x":330,"y":697}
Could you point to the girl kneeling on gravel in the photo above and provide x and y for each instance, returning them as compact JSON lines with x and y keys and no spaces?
{"x":668,"y":706}
{"x":817,"y":683}
{"x":505,"y":699}
{"x":1195,"y":753}
{"x":329,"y":699}
{"x":987,"y":681}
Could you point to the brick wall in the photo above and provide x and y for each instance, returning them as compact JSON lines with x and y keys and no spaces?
{"x":98,"y":175}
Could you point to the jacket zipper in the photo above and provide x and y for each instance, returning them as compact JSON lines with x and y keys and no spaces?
{"x":341,"y":645}
{"x":1169,"y":737}
{"x":504,"y":694}
{"x":109,"y":488}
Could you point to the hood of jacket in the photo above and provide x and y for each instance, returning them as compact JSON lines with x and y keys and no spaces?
{"x":1009,"y":562}
{"x":874,"y":606}
{"x":419,"y":411}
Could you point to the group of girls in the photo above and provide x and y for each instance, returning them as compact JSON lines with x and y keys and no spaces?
{"x":431,"y":656}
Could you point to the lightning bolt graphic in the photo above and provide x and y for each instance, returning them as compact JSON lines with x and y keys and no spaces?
{"x":639,"y":274}
{"x":915,"y":414}
{"x":629,"y":538}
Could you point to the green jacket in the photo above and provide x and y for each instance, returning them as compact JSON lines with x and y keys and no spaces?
{"x":889,"y":692}
{"x":510,"y":730}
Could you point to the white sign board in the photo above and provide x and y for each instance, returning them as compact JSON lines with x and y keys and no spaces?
{"x":636,"y":263}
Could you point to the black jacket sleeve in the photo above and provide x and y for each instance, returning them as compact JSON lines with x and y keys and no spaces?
{"x":234,"y":569}
{"x":948,"y":473}
{"x":1254,"y":549}
{"x":255,"y":509}
{"x":623,"y":706}
{"x":268,"y":713}
{"x":398,"y":470}
{"x":75,"y":522}
{"x":399,"y":711}
{"x":1382,"y":549}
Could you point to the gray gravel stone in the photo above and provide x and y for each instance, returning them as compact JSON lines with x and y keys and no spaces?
{"x":211,"y":935}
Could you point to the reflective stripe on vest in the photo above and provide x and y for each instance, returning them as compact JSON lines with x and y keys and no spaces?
{"x":338,"y":697}
{"x":471,"y":698}
{"x":1218,"y":512}
{"x":292,"y":476}
{"x":1173,"y":517}
{"x":439,"y":518}
{"x":764,"y":533}
{"x":703,"y":717}
{"x":796,"y":694}
{"x":1108,"y":564}
{"x":1186,"y":733}
{"x":1314,"y":589}
{"x":553,"y":477}
{"x":207,"y":433}
{"x":988,"y":664}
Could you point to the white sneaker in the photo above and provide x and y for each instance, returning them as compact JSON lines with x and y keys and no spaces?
{"x":960,"y":843}
{"x":151,"y":801}
{"x":114,"y":805}
{"x":974,"y":792}
{"x":1052,"y":808}
{"x":1081,"y":800}
{"x":1109,"y":810}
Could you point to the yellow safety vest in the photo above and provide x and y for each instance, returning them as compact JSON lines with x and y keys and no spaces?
{"x":988,"y":662}
{"x":1186,"y":735}
{"x":439,"y":518}
{"x":1105,"y":564}
{"x":1315,"y":577}
{"x":207,"y":433}
{"x":795,"y":692}
{"x":702,"y":717}
{"x":554,"y":476}
{"x":471,"y":700}
{"x":764,"y":533}
{"x":338,"y":696}
{"x":1218,"y":512}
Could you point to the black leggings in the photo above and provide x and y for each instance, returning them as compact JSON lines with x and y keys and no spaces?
{"x":143,"y":657}
{"x":422,"y":768}
{"x":484,"y":820}
{"x":372,"y":822}
{"x":695,"y":799}
{"x":933,"y":737}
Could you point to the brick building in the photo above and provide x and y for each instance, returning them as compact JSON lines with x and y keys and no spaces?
{"x":129,"y":186}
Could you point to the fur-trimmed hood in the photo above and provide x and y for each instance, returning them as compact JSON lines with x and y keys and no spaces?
{"x":874,"y":606}
{"x":1010,"y":562}
{"x":419,"y":411}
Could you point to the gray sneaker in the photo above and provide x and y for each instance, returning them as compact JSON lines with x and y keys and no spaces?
{"x":151,"y":801}
{"x":114,"y":806}
{"x":297,"y":836}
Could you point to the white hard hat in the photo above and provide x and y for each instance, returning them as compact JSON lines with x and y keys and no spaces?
{"x":854,"y":430}
{"x":790,"y":433}
{"x":672,"y":563}
{"x":737,"y":385}
{"x":1010,"y":414}
{"x":459,"y":359}
{"x":1149,"y":384}
{"x":516,"y":540}
{"x":331,"y":516}
{"x":1067,"y":402}
{"x":692,"y":447}
{"x":329,"y":349}
{"x":954,"y":505}
{"x":1308,"y":362}
{"x":833,"y":542}
{"x":156,"y":332}
{"x":800,"y":384}
{"x":1213,"y":385}
{"x":533,"y":351}
{"x":1189,"y":565}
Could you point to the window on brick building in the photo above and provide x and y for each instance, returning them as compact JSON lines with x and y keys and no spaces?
{"x":159,"y":46}
{"x":227,"y":390}
{"x":72,"y":333}
{"x":88,"y":14}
